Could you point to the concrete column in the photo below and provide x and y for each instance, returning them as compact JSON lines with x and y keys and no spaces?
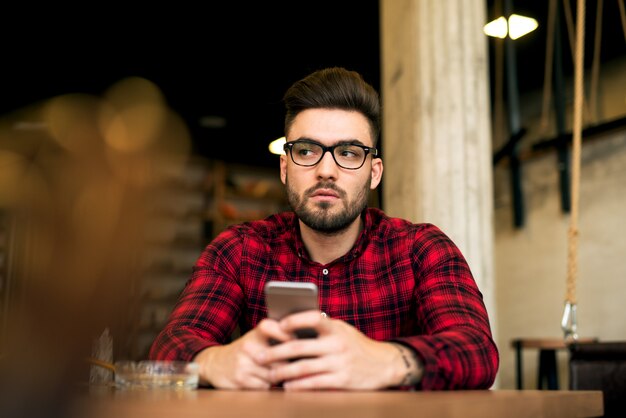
{"x":436,"y":130}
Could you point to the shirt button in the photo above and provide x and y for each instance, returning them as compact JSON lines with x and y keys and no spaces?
{"x":325,"y":272}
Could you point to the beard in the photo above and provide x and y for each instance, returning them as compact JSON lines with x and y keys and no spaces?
{"x":320,"y":217}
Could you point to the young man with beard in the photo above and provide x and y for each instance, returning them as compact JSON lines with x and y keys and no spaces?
{"x":402,"y":308}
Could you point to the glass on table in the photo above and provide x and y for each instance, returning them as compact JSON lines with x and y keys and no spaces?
{"x":156,"y":375}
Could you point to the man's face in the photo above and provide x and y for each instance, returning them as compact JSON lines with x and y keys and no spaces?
{"x":326,"y":197}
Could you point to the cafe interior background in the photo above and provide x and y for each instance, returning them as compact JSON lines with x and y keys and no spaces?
{"x":130,"y":138}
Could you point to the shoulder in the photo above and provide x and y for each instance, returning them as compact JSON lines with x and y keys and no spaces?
{"x":260,"y":235}
{"x":419,"y":236}
{"x":269,"y":229}
{"x":387,"y":226}
{"x":265,"y":231}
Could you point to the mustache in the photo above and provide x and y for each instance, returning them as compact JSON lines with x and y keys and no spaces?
{"x":329,"y":186}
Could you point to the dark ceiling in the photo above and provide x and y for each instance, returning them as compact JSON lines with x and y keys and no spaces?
{"x":232,"y":60}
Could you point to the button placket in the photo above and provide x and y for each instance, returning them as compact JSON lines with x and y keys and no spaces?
{"x":322,"y":313}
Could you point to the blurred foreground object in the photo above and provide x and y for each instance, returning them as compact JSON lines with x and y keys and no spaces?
{"x":77,"y":176}
{"x":102,"y":351}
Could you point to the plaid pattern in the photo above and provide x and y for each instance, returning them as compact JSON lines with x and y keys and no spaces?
{"x":401,"y":281}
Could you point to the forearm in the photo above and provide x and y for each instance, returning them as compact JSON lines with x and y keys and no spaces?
{"x":203,"y":317}
{"x":460,"y":359}
{"x":453,"y":335}
{"x":408,"y":367}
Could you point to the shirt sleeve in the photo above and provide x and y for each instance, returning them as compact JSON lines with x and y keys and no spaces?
{"x":208,"y":309}
{"x":456,"y":346}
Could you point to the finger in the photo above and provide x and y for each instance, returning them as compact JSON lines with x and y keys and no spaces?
{"x":258,"y":384}
{"x":308,"y":319}
{"x":269,"y":329}
{"x":245,"y":363}
{"x":296,"y":349}
{"x":244,"y":376}
{"x":259,"y":379}
{"x":249,"y":375}
{"x":249,"y":382}
{"x":299,"y":369}
{"x":316,"y":381}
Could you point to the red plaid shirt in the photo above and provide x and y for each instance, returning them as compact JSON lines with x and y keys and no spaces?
{"x":401,"y":281}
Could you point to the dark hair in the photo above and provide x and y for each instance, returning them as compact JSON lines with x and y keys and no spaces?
{"x":334,"y":88}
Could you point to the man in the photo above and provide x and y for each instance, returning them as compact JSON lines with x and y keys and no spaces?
{"x":401,"y":307}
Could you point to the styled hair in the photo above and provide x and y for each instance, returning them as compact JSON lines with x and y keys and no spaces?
{"x":334,"y":88}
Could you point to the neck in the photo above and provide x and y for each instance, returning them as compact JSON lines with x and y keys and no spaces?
{"x":324,"y":248}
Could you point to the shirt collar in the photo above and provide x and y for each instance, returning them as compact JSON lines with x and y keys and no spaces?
{"x":357,"y":249}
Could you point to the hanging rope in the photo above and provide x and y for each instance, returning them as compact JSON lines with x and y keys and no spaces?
{"x":547,"y":73}
{"x":568,"y":323}
{"x":569,"y":20}
{"x":595,"y":68}
{"x":572,"y":43}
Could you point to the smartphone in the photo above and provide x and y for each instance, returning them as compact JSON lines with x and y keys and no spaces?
{"x":286,"y":298}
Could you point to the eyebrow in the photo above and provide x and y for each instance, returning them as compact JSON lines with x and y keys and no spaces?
{"x":342,"y":142}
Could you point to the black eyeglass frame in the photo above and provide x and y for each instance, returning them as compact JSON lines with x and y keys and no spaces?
{"x":288,"y":148}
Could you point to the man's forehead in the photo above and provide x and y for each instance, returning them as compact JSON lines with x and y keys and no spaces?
{"x":330,"y":126}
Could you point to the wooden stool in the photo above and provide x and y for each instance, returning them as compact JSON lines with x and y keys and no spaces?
{"x":547,"y":368}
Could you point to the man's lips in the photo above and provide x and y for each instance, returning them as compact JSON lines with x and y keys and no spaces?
{"x":324,"y":193}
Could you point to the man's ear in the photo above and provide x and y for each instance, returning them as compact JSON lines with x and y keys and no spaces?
{"x":283,"y":168}
{"x":377,"y":172}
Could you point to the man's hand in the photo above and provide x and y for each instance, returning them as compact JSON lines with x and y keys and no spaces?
{"x":234,"y":366}
{"x":341,"y":357}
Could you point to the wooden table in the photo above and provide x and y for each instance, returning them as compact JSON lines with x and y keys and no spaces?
{"x":386,"y":404}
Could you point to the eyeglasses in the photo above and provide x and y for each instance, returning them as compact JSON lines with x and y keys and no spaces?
{"x":309,"y":153}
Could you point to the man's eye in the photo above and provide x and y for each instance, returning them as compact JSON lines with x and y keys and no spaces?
{"x":350,"y":152}
{"x":305,"y":152}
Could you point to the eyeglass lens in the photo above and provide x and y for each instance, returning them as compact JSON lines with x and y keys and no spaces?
{"x":346,"y":155}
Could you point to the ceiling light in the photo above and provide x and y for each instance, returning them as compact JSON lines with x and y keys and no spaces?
{"x":521,"y":25}
{"x":496,"y":28}
{"x":276,"y":146}
{"x":516,"y":26}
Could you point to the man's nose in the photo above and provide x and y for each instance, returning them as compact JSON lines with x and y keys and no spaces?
{"x":327,"y":167}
